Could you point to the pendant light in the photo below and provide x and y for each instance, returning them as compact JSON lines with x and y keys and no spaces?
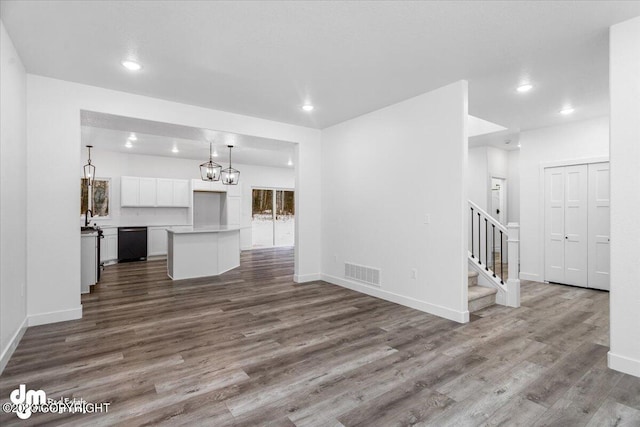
{"x":230,"y":176}
{"x":89,"y":169}
{"x":210,"y":171}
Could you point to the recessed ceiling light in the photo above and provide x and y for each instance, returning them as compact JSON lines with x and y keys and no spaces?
{"x":175,"y":150}
{"x":519,"y":145}
{"x":307,"y":107}
{"x":128,"y":144}
{"x":289,"y":163}
{"x":524,"y":88}
{"x":133,"y":137}
{"x":567,"y":110}
{"x":131,"y":65}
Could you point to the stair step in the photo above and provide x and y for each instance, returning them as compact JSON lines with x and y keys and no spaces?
{"x":472,"y":278}
{"x":481,"y":297}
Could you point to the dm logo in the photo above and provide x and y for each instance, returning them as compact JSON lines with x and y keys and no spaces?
{"x":25,"y":400}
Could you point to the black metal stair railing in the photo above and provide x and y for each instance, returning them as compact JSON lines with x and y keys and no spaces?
{"x":485,"y":238}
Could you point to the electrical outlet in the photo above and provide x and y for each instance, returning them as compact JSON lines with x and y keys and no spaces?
{"x":414,"y":273}
{"x":427,"y":219}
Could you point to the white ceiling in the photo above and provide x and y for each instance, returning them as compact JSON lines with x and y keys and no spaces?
{"x":266,"y":59}
{"x":111,"y":133}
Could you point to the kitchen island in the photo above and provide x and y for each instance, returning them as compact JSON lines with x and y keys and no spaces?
{"x":200,"y":252}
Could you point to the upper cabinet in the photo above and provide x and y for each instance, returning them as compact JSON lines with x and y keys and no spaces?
{"x":154,"y":192}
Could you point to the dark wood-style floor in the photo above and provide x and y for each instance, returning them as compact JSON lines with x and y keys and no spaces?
{"x":252,"y":348}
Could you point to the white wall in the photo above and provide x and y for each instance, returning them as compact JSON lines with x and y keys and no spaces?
{"x":624,"y":88}
{"x":477,"y":176}
{"x":513,"y":186}
{"x":53,"y":144}
{"x":383,"y":173}
{"x":112,"y":164}
{"x":13,"y":203}
{"x":485,"y":163}
{"x":582,"y":140}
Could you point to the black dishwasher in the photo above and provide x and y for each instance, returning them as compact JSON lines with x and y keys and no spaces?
{"x":132,"y":243}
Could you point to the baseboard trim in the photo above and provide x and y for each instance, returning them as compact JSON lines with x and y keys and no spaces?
{"x":624,"y":364}
{"x":303,"y":278}
{"x":55,"y":316}
{"x":437,"y":310}
{"x":530,"y":276}
{"x":7,"y":352}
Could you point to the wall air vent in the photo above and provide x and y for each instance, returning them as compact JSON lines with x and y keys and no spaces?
{"x":360,"y":273}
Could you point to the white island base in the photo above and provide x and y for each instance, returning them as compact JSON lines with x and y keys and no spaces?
{"x":200,"y":252}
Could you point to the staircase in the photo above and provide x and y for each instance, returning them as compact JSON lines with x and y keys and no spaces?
{"x":494,"y":260}
{"x":479,"y":296}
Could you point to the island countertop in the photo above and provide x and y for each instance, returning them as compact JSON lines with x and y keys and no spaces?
{"x":192,"y":230}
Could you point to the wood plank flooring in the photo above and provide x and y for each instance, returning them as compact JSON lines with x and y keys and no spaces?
{"x":252,"y":348}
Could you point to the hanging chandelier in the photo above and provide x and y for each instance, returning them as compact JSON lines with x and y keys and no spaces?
{"x":89,"y":169}
{"x":210,"y":171}
{"x":230,"y":176}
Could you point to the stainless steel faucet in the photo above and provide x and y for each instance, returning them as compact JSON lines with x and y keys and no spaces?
{"x":86,"y":217}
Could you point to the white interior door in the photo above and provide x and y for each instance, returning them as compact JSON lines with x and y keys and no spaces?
{"x":575,"y":225}
{"x":599,"y":226}
{"x":554,"y":224}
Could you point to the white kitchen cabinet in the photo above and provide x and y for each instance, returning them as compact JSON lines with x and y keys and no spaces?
{"x":181,"y":193}
{"x":154,"y":192}
{"x":88,"y":261}
{"x":156,"y":241}
{"x":147,"y":192}
{"x":109,"y":245}
{"x":137,"y":192}
{"x":129,"y":191}
{"x":165,"y":192}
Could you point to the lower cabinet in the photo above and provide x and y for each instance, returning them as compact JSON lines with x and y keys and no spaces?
{"x":156,"y":241}
{"x":109,"y":245}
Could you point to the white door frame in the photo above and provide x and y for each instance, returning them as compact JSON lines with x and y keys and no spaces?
{"x":273,"y":189}
{"x":505,"y":194}
{"x":541,"y":225}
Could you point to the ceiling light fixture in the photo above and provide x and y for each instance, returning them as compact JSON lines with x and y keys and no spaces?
{"x":289,"y":163}
{"x":175,"y":150}
{"x":131,"y":65}
{"x":567,"y":110}
{"x":230,"y":176}
{"x":307,"y":107}
{"x":89,"y":172}
{"x":524,"y":88}
{"x":210,"y":171}
{"x":133,"y":137}
{"x":128,"y":144}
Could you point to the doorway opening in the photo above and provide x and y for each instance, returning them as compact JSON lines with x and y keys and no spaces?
{"x":499,"y":199}
{"x":272,"y":218}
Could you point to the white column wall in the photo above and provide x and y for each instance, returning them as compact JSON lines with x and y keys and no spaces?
{"x":13,"y":197}
{"x":624,"y":87}
{"x":383,"y":174}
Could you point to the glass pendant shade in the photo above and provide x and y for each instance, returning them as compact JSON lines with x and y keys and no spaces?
{"x":230,"y":176}
{"x":89,"y":171}
{"x":210,"y":171}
